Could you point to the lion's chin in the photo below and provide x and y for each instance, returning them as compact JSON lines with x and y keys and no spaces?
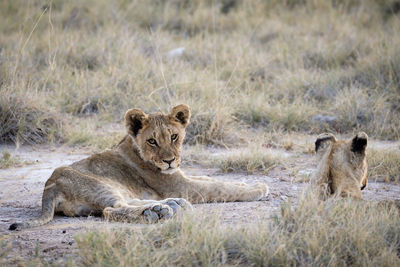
{"x":169,"y":171}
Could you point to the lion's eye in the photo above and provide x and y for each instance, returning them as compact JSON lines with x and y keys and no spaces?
{"x":174,"y":137}
{"x":152,"y":142}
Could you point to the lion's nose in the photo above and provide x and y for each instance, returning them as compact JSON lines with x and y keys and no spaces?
{"x":169,"y":161}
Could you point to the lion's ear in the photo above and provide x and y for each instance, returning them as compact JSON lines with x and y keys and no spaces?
{"x":181,"y":114}
{"x":134,"y":121}
{"x":359,"y":143}
{"x":323,"y":141}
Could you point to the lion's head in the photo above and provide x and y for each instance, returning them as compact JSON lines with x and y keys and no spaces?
{"x":342,"y":168}
{"x":159,"y":137}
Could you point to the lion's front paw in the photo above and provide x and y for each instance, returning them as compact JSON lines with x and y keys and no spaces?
{"x":177,"y":204}
{"x":156,"y":212}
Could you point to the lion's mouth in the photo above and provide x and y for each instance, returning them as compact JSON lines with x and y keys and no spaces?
{"x":169,"y":170}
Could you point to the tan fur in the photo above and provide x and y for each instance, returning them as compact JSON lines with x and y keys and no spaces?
{"x":342,"y":168}
{"x":138,"y":180}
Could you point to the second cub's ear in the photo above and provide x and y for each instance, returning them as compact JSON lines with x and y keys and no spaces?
{"x":134,"y":121}
{"x":359,"y":143}
{"x":181,"y":114}
{"x":323,"y":141}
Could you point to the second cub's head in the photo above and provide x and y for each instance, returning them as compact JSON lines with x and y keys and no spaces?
{"x":159,"y":136}
{"x":342,"y":164}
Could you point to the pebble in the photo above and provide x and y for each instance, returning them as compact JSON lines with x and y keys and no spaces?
{"x":177,"y":52}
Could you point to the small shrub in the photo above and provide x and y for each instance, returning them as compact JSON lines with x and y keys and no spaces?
{"x":24,"y":120}
{"x":215,"y":128}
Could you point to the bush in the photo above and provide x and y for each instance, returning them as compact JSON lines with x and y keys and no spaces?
{"x":24,"y":120}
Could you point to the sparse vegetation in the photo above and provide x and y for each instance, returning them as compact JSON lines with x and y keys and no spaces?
{"x":250,"y":160}
{"x":281,"y":66}
{"x":25,"y":119}
{"x":314,"y":233}
{"x":384,"y":165}
{"x":5,"y":247}
{"x":94,"y":135}
{"x":7,"y":161}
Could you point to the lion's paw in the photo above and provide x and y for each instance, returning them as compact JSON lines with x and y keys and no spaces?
{"x":177,"y":204}
{"x":157,"y":212}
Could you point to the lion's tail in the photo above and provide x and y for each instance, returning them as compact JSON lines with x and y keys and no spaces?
{"x":48,"y":206}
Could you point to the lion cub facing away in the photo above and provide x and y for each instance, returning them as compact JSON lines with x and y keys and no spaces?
{"x":342,"y":168}
{"x":139,"y":180}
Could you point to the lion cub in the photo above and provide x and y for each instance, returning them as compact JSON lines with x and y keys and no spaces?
{"x":342,"y":168}
{"x":140,"y":179}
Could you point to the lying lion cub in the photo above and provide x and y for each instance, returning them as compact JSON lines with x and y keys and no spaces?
{"x":139,"y":180}
{"x":342,"y":168}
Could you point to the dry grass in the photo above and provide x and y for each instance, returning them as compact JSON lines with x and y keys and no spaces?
{"x":25,"y":119}
{"x":5,"y":248}
{"x":332,"y":233}
{"x":267,"y":64}
{"x":7,"y":161}
{"x":251,"y":160}
{"x":384,"y":165}
{"x":94,"y":135}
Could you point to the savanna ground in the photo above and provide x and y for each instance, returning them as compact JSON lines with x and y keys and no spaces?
{"x":262,"y":78}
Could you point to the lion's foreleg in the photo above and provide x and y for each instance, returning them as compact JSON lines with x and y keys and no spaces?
{"x":150,"y":213}
{"x":210,"y":190}
{"x":137,"y":210}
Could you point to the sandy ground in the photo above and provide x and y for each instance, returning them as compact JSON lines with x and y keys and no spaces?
{"x":21,"y":189}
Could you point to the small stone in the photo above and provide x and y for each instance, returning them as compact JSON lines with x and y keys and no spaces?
{"x":177,"y":52}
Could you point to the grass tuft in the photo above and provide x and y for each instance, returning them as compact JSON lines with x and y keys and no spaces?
{"x":251,"y":160}
{"x":24,"y":120}
{"x":384,"y":165}
{"x":7,"y":161}
{"x":213,"y":128}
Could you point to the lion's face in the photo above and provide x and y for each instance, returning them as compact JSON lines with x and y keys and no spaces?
{"x":158,"y":136}
{"x":342,"y":164}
